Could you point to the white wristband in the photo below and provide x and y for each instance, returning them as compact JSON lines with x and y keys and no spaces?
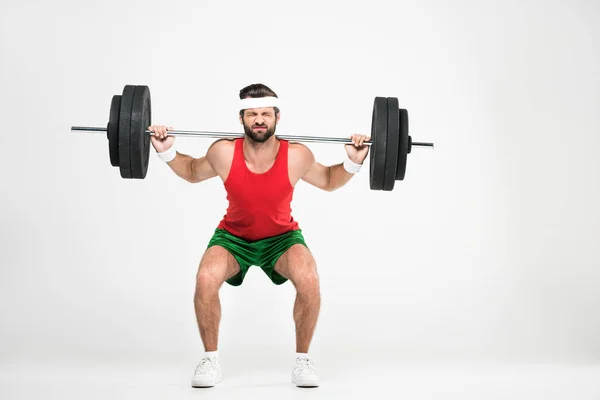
{"x":168,"y":155}
{"x":351,"y":167}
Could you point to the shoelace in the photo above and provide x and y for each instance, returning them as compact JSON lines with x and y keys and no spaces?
{"x":206,"y":366}
{"x":304,"y":366}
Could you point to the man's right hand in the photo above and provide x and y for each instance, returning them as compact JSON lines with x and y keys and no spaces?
{"x":160,"y":140}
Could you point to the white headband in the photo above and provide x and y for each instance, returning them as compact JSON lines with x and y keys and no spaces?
{"x":258,"y":102}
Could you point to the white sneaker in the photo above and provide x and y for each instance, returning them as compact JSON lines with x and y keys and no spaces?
{"x":303,"y":373}
{"x":208,"y":373}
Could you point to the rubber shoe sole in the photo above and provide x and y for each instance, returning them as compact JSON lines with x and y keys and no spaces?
{"x":306,"y":382}
{"x":205,"y":383}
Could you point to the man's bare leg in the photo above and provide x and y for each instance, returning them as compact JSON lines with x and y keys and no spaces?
{"x":217,"y":265}
{"x":298,"y":265}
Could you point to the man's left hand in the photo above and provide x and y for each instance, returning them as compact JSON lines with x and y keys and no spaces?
{"x":357,"y":151}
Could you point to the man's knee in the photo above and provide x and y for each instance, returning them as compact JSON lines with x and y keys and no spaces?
{"x":307,"y":282}
{"x":207,"y":280}
{"x":213,"y":270}
{"x":302,"y":268}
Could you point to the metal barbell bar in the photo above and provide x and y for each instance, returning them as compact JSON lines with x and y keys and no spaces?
{"x":129,"y":140}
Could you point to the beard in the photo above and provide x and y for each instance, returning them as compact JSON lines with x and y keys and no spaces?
{"x":261,"y":136}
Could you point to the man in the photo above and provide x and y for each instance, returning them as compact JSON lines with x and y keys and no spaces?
{"x":259,"y":172}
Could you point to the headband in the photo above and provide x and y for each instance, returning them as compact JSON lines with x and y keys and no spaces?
{"x":258,"y":102}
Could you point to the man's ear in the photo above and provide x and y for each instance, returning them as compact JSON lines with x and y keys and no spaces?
{"x":241,"y":120}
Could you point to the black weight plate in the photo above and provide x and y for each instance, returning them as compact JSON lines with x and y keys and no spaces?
{"x":124,"y":132}
{"x":402,"y":145}
{"x":112,"y":130}
{"x":393,"y":138}
{"x":139,"y":139}
{"x":379,"y":138}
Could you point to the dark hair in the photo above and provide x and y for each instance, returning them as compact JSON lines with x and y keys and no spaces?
{"x":257,"y":90}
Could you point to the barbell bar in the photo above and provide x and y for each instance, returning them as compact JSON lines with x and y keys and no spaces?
{"x":237,"y":135}
{"x":129,"y":140}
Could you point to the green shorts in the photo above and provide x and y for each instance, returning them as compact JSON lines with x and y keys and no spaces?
{"x":263,"y":253}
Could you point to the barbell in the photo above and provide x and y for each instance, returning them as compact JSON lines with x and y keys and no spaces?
{"x":129,"y":140}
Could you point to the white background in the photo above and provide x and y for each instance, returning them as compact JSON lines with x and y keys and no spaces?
{"x":487,"y":251}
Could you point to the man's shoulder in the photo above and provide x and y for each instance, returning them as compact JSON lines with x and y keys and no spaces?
{"x":224,"y":143}
{"x":221,"y":151}
{"x":222,"y":146}
{"x":299,"y":149}
{"x":300,"y":153}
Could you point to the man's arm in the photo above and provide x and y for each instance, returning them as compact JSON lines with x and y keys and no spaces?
{"x":191,"y":169}
{"x":327,"y":178}
{"x":335,"y":176}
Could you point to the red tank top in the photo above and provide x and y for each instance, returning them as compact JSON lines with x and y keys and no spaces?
{"x":259,"y":204}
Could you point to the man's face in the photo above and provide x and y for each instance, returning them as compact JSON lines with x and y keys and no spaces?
{"x":259,"y":123}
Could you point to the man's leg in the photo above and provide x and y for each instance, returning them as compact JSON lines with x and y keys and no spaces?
{"x":298,"y":265}
{"x":217,"y":265}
